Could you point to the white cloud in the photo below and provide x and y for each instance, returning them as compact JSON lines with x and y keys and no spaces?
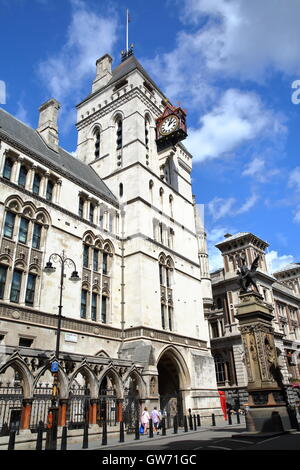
{"x":89,"y":36}
{"x":294,"y":178}
{"x":276,"y":261}
{"x":215,"y":236}
{"x":221,"y":207}
{"x":236,"y":119}
{"x":245,"y":39}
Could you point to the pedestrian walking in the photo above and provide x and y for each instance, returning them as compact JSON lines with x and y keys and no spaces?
{"x":155,"y":415}
{"x":145,"y":420}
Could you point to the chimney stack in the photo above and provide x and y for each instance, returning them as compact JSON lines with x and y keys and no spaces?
{"x":103,"y":72}
{"x":48,"y":128}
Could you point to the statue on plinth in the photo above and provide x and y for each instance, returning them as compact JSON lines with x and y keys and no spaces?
{"x":247,"y":276}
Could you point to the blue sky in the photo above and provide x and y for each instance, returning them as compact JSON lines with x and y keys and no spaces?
{"x":230,"y":63}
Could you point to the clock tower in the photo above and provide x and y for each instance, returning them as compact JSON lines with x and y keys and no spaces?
{"x":131,"y":135}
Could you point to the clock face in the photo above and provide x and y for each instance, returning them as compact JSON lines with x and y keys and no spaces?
{"x":169,"y":125}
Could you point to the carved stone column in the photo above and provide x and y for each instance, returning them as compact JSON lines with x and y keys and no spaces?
{"x":267,"y":406}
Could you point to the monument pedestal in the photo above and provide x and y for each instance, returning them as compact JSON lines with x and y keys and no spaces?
{"x":267,"y":407}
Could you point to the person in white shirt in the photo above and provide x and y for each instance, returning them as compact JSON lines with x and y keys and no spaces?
{"x":145,"y":420}
{"x":155,"y":415}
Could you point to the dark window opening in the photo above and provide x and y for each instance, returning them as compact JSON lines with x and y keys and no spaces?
{"x":36,"y":237}
{"x":30,"y":290}
{"x":36,"y":184}
{"x":16,"y":287}
{"x":3,"y":274}
{"x":103,"y":309}
{"x":7,"y":169}
{"x":22,"y":176}
{"x":9,"y":224}
{"x":25,"y":342}
{"x":49,"y":192}
{"x":119,"y":134}
{"x":23,"y":230}
{"x":83,"y":304}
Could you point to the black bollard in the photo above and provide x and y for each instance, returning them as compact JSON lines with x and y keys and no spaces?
{"x":150,"y":427}
{"x":104,"y":433}
{"x":122,"y":438}
{"x":137,"y":430}
{"x":186,"y":429}
{"x":238,"y":418}
{"x":39,"y":439}
{"x":213,"y":419}
{"x":11,"y":442}
{"x":64,"y":436}
{"x":85,"y":442}
{"x":175,"y":424}
{"x":163,"y":427}
{"x":198,"y":420}
{"x":190,"y":420}
{"x":229,"y":417}
{"x":195,"y":423}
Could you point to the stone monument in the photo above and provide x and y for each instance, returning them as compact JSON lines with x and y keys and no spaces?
{"x":267,"y":405}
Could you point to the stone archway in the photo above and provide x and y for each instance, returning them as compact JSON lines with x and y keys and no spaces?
{"x":173,"y":377}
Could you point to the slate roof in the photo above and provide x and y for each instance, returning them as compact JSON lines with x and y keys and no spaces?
{"x":62,"y":161}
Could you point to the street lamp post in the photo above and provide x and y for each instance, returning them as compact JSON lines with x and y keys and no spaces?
{"x":64,"y":261}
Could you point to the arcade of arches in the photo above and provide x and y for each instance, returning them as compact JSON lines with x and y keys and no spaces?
{"x":112,"y":393}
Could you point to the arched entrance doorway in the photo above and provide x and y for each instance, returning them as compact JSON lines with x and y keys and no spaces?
{"x":172,"y":376}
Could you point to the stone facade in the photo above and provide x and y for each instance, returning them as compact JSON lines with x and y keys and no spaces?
{"x":134,"y":325}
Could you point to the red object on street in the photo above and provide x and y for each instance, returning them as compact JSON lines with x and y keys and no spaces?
{"x":223,"y":403}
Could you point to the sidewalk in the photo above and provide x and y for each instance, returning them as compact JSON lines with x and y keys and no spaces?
{"x":113,"y":440}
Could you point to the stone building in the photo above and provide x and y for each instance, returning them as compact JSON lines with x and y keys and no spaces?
{"x":133,"y":330}
{"x":281,"y":290}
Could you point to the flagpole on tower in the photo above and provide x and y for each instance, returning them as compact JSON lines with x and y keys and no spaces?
{"x":127,"y":30}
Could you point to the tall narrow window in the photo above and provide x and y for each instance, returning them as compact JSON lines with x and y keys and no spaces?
{"x":23,"y":230}
{"x":121,"y":189}
{"x":94,"y":306}
{"x":3,"y":274}
{"x":97,"y":142}
{"x":170,"y":315}
{"x":92,"y":211}
{"x":83,"y":307}
{"x":96,"y":260}
{"x":103,"y":308}
{"x":49,"y":191}
{"x":85,"y":256}
{"x":161,"y":277}
{"x":36,"y":184}
{"x":9,"y":224}
{"x":22,"y":176}
{"x":119,"y":133}
{"x":30,"y":290}
{"x":80,"y":208}
{"x":168,"y":277}
{"x":147,"y":133}
{"x":16,"y":286}
{"x":163,"y":321}
{"x":7,"y":169}
{"x":36,"y":237}
{"x":105,"y":263}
